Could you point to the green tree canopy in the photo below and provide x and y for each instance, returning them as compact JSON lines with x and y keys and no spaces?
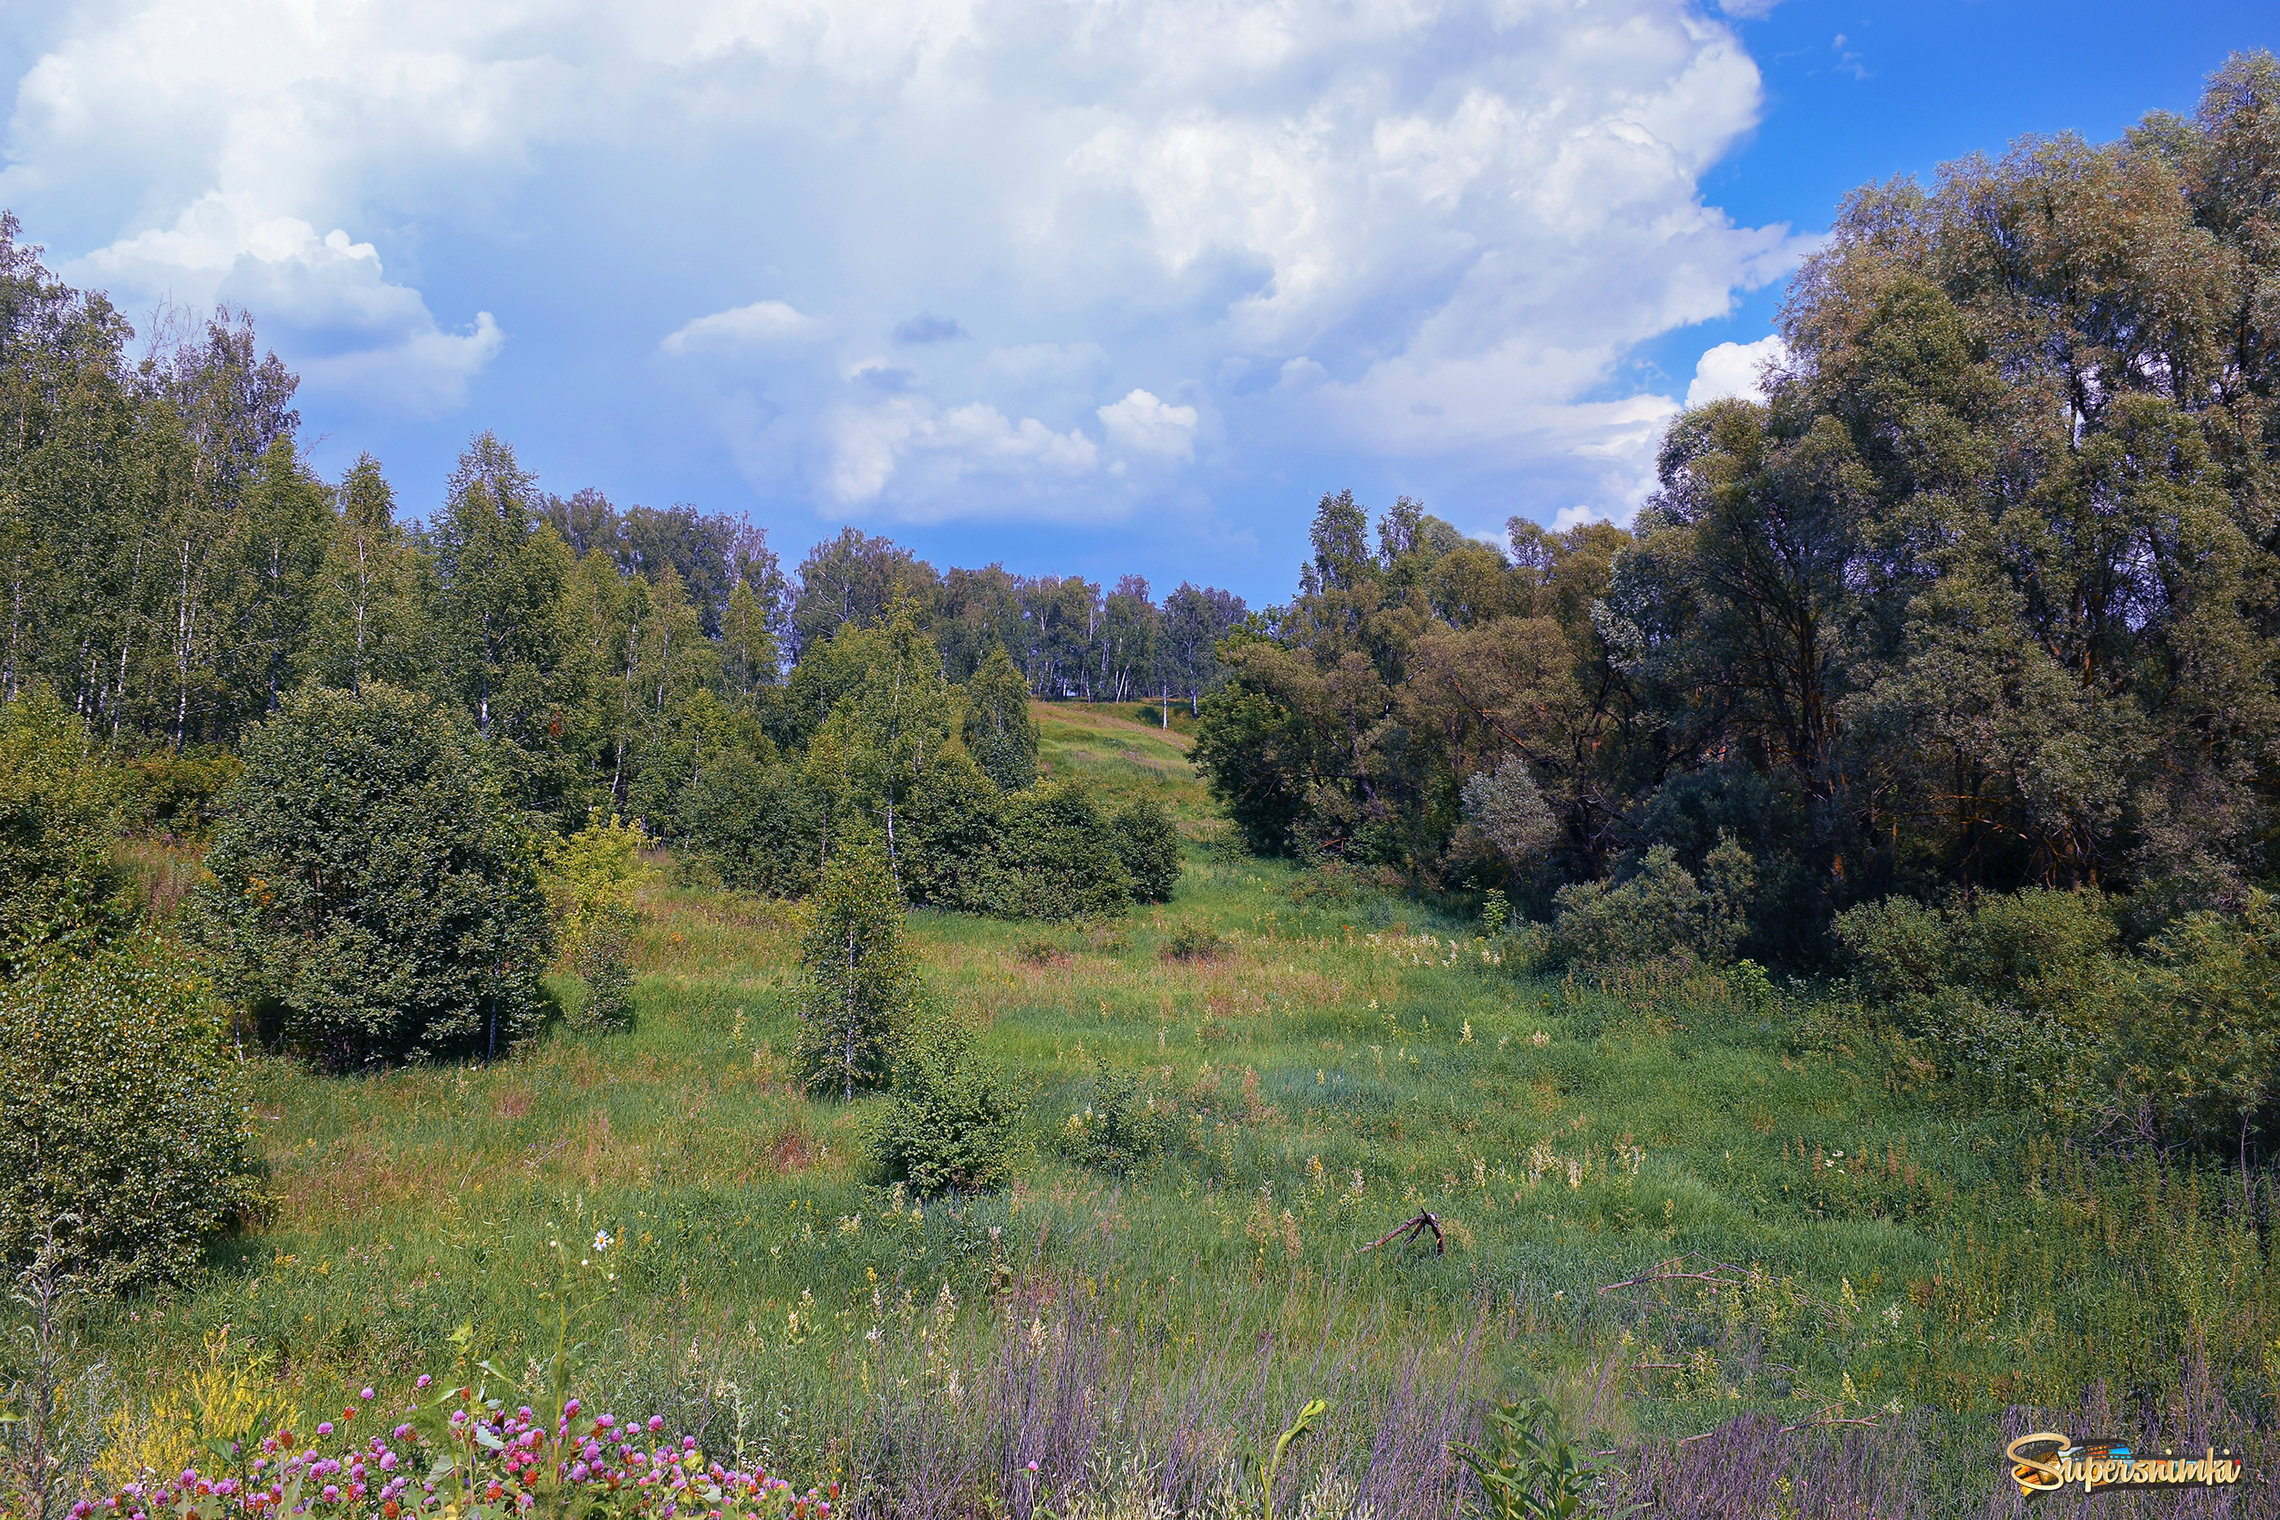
{"x":998,"y":730}
{"x":58,"y":806}
{"x":374,"y":896}
{"x":859,"y":985}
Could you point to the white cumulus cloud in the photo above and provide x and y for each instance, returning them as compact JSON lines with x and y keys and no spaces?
{"x":1735,"y":369}
{"x":1415,"y":233}
{"x":743,"y":327}
{"x":326,"y":298}
{"x":1141,"y":424}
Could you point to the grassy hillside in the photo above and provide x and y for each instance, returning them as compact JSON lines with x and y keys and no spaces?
{"x":1846,"y":1247}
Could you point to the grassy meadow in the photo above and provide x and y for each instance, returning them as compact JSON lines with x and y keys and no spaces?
{"x":1855,"y":1286}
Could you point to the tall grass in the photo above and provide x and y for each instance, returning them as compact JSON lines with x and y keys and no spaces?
{"x":1848,"y":1280}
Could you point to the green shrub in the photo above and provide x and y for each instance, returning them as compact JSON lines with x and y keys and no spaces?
{"x":374,"y":897}
{"x":1661,"y":911}
{"x":2197,"y":1054}
{"x":760,"y":827}
{"x":859,"y":987}
{"x":58,"y":888}
{"x":949,"y":834}
{"x":1191,"y":942}
{"x":2176,"y":1046}
{"x":120,"y":1105}
{"x":591,"y":881}
{"x":1058,"y":858}
{"x":948,"y":1125}
{"x":1120,"y":1130}
{"x":1148,"y":844}
{"x":180,"y":792}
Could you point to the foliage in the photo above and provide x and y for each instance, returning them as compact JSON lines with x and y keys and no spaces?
{"x":1509,"y":810}
{"x":761,"y":827}
{"x":123,"y":1118}
{"x":591,"y":881}
{"x":1661,"y":910}
{"x":178,"y":793}
{"x":998,"y":731}
{"x":2175,"y":1045}
{"x":1148,"y":844}
{"x":1192,"y":942}
{"x":947,"y":1126}
{"x":374,"y":897}
{"x":859,"y":983}
{"x":59,"y":890}
{"x":1121,"y":1130}
{"x":889,"y":727}
{"x":953,"y":830}
{"x":1977,"y":598}
{"x":1531,"y":1470}
{"x":1058,"y":857}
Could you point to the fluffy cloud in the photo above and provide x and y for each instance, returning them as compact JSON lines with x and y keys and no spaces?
{"x":326,"y":299}
{"x":1733,"y":369}
{"x":742,"y":327}
{"x":1413,"y":232}
{"x":1141,"y":424}
{"x":911,"y":456}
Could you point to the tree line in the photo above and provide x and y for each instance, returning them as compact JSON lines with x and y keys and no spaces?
{"x":172,"y":567}
{"x":1984,"y":595}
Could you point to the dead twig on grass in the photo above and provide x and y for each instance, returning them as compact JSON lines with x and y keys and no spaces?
{"x":1413,"y":1228}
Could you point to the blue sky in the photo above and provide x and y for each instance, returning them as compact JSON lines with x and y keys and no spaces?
{"x":1079,"y":285}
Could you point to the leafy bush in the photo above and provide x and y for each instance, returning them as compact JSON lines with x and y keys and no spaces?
{"x":1120,"y":1130}
{"x":2178,"y":1045}
{"x":1058,"y":858}
{"x":1660,"y":911}
{"x":58,"y":888}
{"x":1191,"y":942}
{"x":2199,"y":1057}
{"x":1532,"y":1469}
{"x":374,"y":897}
{"x":591,"y":881}
{"x":180,"y":792}
{"x":949,"y":834}
{"x":121,"y":1106}
{"x":1148,"y":844}
{"x":859,"y":987}
{"x":948,"y":1124}
{"x":761,"y":827}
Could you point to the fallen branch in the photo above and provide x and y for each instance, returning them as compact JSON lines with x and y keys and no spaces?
{"x":1413,"y":1229}
{"x":1820,"y":1424}
{"x":1786,"y":1429}
{"x":1723,"y":1273}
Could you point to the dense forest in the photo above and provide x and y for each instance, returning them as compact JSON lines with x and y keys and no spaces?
{"x":174,"y":568}
{"x":1985,"y":595}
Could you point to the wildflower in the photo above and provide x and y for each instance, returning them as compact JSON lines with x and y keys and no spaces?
{"x":602,"y":1240}
{"x":324,"y":1428}
{"x":423,"y":1382}
{"x":367,"y":1393}
{"x":1033,"y":1465}
{"x":656,"y":1422}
